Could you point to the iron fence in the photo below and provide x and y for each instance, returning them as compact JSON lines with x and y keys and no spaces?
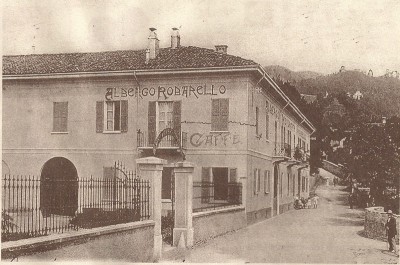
{"x":167,"y":142}
{"x":211,"y":196}
{"x":282,"y":149}
{"x":32,"y":206}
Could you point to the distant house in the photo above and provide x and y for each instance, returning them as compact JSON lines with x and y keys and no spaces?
{"x":309,"y":98}
{"x":358,"y":95}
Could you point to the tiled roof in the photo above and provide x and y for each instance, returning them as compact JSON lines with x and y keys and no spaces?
{"x":183,"y":57}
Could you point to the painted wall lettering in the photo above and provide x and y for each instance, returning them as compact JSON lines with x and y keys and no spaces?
{"x":212,"y":139}
{"x":164,"y":92}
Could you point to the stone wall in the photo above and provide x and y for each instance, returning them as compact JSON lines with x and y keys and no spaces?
{"x":374,"y":224}
{"x":131,"y":242}
{"x":333,"y":168}
{"x":207,"y":225}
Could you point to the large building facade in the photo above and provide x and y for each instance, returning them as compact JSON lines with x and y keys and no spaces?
{"x":79,"y":113}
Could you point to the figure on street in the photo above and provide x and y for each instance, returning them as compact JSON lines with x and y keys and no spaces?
{"x":391,"y":232}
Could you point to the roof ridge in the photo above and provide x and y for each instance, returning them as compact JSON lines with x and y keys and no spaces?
{"x":119,"y":60}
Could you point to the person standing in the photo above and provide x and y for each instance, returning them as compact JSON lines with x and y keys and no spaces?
{"x":391,"y":231}
{"x":351,"y":200}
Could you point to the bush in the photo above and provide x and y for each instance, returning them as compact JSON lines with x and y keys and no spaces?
{"x":95,"y":217}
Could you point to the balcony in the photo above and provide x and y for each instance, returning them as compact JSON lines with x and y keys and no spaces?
{"x":301,"y":154}
{"x":282,"y":149}
{"x":165,"y":140}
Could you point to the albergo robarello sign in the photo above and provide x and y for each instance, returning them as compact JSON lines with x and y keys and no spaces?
{"x":164,"y":92}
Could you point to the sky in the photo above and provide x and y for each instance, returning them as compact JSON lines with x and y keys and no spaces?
{"x":318,"y":36}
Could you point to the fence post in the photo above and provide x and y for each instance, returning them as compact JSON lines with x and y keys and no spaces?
{"x":183,"y":228}
{"x":151,"y":168}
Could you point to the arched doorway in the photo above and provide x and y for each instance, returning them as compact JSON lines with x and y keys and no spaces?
{"x":59,"y":187}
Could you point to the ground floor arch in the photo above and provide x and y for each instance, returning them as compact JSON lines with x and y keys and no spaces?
{"x":59,"y":187}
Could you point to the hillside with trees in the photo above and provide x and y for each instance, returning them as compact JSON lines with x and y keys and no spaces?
{"x":287,"y":75}
{"x":381,"y":94}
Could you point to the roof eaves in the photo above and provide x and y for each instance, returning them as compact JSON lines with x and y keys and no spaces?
{"x":129,"y":72}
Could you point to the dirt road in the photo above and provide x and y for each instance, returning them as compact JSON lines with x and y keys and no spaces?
{"x":332,"y":233}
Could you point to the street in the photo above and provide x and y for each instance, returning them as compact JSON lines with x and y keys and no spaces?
{"x":332,"y":233}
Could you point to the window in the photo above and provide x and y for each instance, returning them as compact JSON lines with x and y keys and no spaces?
{"x":266,"y":121}
{"x":219,"y":114}
{"x":112,"y":116}
{"x":256,"y":181}
{"x":280,"y":185}
{"x":288,"y":184}
{"x":165,"y":118}
{"x":162,"y":115}
{"x":257,"y":125}
{"x":60,"y":116}
{"x":306,"y":184}
{"x":216,"y":180}
{"x":267,"y":181}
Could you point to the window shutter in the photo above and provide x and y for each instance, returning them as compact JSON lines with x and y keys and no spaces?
{"x":255,"y":182}
{"x":267,"y":125}
{"x":99,"y":116}
{"x":205,"y":185}
{"x":60,"y":116}
{"x":152,"y":122}
{"x":124,"y":115}
{"x":224,"y":114}
{"x":177,"y":119}
{"x":215,"y":115}
{"x":56,"y":117}
{"x":257,"y":129}
{"x":232,"y":175}
{"x":64,"y":116}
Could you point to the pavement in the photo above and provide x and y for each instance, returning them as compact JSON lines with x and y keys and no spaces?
{"x":332,"y":233}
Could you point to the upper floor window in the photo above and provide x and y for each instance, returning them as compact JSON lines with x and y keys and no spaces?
{"x":60,"y":116}
{"x":219,"y":114}
{"x":267,"y":181}
{"x":112,"y":116}
{"x":266,"y":120}
{"x":257,"y":123}
{"x":163,"y":115}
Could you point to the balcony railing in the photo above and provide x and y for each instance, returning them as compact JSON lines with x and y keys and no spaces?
{"x":167,"y":142}
{"x":282,"y":149}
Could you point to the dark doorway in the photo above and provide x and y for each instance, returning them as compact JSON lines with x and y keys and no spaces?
{"x":220,"y":183}
{"x":166,"y":183}
{"x":59,"y":187}
{"x":299,"y":183}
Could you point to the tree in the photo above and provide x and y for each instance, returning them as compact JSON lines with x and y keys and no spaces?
{"x":373,"y":156}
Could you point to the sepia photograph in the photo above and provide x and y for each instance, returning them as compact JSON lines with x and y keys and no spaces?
{"x":200,"y":131}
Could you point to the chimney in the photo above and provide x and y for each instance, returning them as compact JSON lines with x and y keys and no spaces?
{"x":175,"y":39}
{"x":153,"y":43}
{"x":221,"y":48}
{"x":147,"y":55}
